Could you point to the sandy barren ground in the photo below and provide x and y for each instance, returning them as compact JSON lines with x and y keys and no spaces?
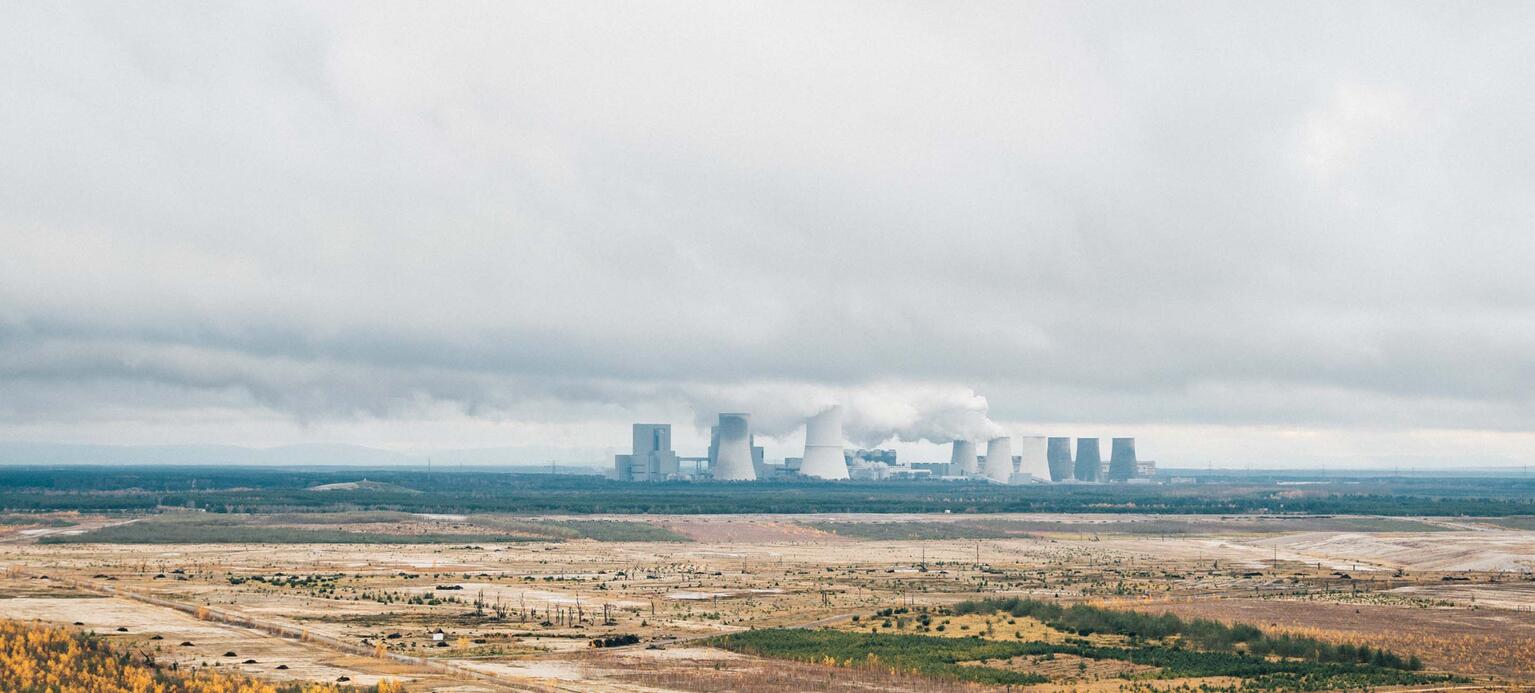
{"x":210,"y":642}
{"x":526,"y":613}
{"x":1478,"y":550}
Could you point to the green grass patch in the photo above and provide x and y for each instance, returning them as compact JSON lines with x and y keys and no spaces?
{"x":218,"y":528}
{"x":945,"y":657}
{"x":1193,"y":526}
{"x":41,"y":521}
{"x":929,"y":656}
{"x":598,"y":530}
{"x":356,"y":517}
{"x":896,"y":531}
{"x":1525,"y":522}
{"x":221,"y":531}
{"x":618,"y":530}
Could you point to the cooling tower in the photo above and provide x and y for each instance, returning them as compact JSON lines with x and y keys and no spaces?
{"x":963,"y":459}
{"x":823,"y":446}
{"x":733,"y":460}
{"x":1089,"y":463}
{"x":999,"y":459}
{"x":1060,"y":459}
{"x":1122,"y":460}
{"x":1033,"y":457}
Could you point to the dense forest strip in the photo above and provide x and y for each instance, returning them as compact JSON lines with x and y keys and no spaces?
{"x":224,"y":490}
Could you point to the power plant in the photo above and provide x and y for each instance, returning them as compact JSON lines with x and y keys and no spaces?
{"x":1033,"y":459}
{"x":1089,"y":465}
{"x":823,"y":446}
{"x":963,"y":457}
{"x":734,"y":456}
{"x":653,"y":458}
{"x":999,"y":459}
{"x":1059,"y":456}
{"x":1122,"y":460}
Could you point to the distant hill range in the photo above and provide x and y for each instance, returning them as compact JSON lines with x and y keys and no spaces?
{"x":522,"y":459}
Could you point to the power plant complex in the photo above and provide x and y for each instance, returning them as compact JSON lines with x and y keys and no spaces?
{"x":734,"y":456}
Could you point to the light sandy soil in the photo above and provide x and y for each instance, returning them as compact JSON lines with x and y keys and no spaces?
{"x":1504,"y":550}
{"x":1517,"y":596}
{"x":753,"y":571}
{"x":210,"y":641}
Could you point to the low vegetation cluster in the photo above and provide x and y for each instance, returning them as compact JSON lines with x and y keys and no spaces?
{"x":209,"y":528}
{"x":616,"y":640}
{"x":908,"y":531}
{"x":912,"y":654}
{"x":1203,"y":634}
{"x":203,"y":529}
{"x":981,"y":660}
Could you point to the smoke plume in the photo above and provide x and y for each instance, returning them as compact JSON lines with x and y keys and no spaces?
{"x":873,"y":413}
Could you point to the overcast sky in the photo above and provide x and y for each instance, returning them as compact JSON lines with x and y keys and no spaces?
{"x":1272,"y":234}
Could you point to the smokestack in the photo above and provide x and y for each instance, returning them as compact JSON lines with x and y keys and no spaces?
{"x":1060,"y":459}
{"x":999,"y":459}
{"x":733,"y":459}
{"x":823,"y":446}
{"x":963,"y":457}
{"x":1089,"y":462}
{"x":1033,"y":457}
{"x":1122,"y":460}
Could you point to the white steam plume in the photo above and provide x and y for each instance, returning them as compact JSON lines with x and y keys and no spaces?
{"x":873,"y":413}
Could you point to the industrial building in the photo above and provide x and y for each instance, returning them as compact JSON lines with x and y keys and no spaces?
{"x":999,"y":459}
{"x":1033,"y":460}
{"x":823,"y":446}
{"x":962,"y":461}
{"x":1059,"y":458}
{"x":879,"y":465}
{"x":732,"y":457}
{"x":1121,"y":460}
{"x":652,"y":458}
{"x":1089,"y":464}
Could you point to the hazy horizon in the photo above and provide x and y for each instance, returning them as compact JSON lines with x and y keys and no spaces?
{"x":1290,"y":235}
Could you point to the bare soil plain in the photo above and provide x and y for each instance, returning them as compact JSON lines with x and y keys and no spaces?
{"x":486,"y":603}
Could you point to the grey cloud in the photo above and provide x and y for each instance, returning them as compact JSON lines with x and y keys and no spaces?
{"x":1310,"y":214}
